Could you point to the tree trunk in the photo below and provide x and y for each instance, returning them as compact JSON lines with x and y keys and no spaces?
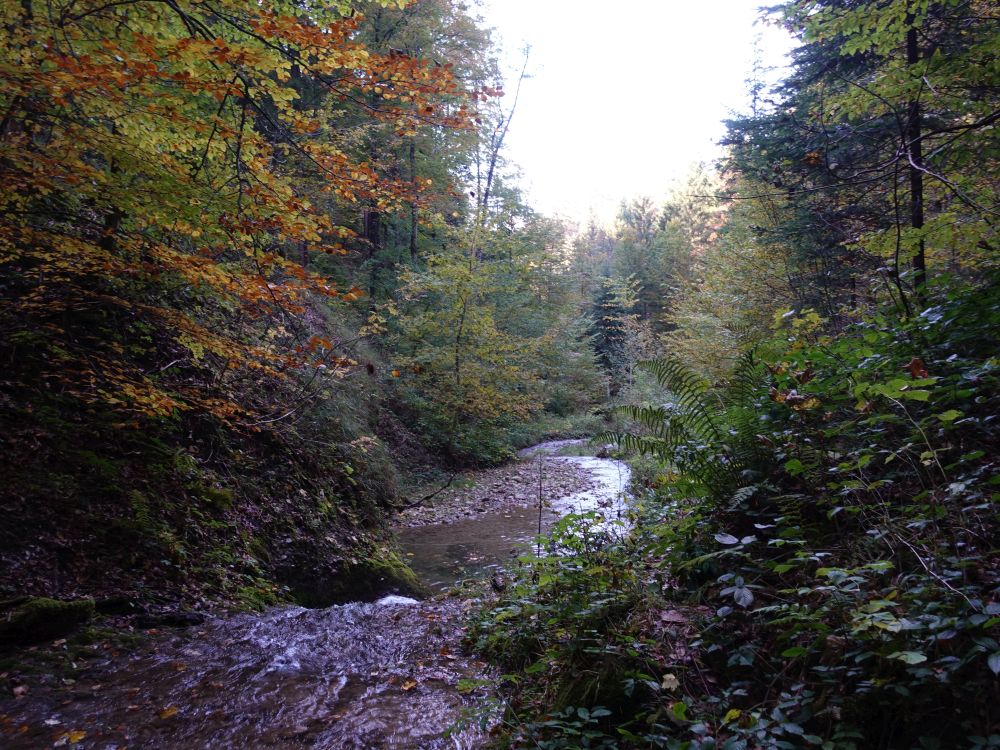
{"x":373,"y":234}
{"x":413,"y":203}
{"x":914,"y":150}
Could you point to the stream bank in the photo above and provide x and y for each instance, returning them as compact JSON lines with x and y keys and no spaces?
{"x":386,"y":674}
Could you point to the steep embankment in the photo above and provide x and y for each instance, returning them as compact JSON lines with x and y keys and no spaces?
{"x":189,"y":513}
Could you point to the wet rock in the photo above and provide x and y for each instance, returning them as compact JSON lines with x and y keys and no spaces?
{"x":169,"y":619}
{"x":365,"y":579}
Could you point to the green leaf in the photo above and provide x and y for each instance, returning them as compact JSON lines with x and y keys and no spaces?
{"x":949,"y":416}
{"x":794,"y":651}
{"x":909,"y":657}
{"x":743,"y":596}
{"x":993,"y":661}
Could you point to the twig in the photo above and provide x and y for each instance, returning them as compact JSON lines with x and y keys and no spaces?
{"x":538,"y":543}
{"x":935,"y":576}
{"x":436,"y":492}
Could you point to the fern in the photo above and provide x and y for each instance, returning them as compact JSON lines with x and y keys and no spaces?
{"x":708,"y":434}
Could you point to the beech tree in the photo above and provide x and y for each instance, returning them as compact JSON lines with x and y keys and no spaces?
{"x":160,"y":166}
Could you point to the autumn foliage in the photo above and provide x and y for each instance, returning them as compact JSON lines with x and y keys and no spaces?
{"x":164,"y":169}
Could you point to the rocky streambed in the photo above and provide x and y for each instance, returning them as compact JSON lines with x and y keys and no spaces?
{"x":385,"y":674}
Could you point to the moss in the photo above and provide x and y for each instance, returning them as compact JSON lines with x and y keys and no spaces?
{"x":257,"y":596}
{"x":220,"y":498}
{"x":389,"y":567}
{"x":362,"y":579}
{"x":40,"y":618}
{"x":256,"y":547}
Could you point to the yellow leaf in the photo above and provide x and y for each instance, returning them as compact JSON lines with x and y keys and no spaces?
{"x":670,"y":682}
{"x":168,"y":712}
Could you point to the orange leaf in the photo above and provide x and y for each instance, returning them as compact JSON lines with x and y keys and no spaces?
{"x":917,"y":368}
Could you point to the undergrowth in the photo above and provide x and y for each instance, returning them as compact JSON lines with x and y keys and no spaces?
{"x":811,"y":561}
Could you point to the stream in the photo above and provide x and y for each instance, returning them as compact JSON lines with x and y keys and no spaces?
{"x":383,"y":674}
{"x":442,"y":554}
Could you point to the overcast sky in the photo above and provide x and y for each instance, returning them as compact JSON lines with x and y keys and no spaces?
{"x":624,"y":95}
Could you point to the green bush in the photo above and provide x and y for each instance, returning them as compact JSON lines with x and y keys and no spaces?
{"x":832,"y":514}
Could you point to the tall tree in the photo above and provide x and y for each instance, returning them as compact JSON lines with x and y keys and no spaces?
{"x":160,"y":163}
{"x":880,"y":138}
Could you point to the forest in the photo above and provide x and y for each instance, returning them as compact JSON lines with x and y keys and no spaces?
{"x":269,"y":282}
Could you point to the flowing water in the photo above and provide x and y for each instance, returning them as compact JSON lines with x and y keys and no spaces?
{"x":385,"y":674}
{"x":376,"y":675}
{"x":444,"y":554}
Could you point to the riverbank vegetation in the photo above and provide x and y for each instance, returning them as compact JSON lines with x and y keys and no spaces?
{"x":262,"y":273}
{"x":811,"y":560}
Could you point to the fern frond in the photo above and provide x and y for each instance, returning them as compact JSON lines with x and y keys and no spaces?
{"x":690,"y":390}
{"x":642,"y":444}
{"x":650,"y":417}
{"x":689,"y":387}
{"x":709,"y":434}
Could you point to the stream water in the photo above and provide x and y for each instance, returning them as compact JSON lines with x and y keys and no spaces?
{"x":443,"y":554}
{"x":384,"y":674}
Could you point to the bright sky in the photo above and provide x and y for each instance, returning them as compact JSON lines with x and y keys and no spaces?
{"x":625,"y":95}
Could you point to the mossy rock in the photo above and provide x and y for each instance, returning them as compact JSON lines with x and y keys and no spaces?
{"x":365,"y":579}
{"x":40,"y":619}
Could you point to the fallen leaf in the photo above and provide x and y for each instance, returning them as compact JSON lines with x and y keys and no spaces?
{"x":917,"y":368}
{"x":168,"y":712}
{"x":672,"y":615}
{"x":75,"y":736}
{"x":670,"y":682}
{"x":20,"y":691}
{"x":409,"y":685}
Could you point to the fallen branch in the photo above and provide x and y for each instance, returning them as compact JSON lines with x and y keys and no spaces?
{"x":425,"y":498}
